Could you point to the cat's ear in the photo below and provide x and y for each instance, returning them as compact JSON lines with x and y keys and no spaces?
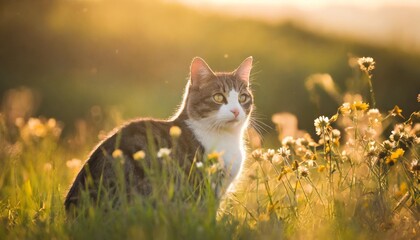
{"x":244,"y":70}
{"x":200,"y":71}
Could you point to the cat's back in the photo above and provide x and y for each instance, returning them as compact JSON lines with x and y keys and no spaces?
{"x":149,"y":136}
{"x":146,"y":135}
{"x":142,"y":135}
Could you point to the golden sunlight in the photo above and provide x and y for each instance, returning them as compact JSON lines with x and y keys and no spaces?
{"x":305,"y":3}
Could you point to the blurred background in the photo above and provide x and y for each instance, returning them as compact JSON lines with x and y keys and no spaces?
{"x":71,"y":59}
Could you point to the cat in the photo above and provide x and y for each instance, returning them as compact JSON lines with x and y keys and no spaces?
{"x":213,"y":117}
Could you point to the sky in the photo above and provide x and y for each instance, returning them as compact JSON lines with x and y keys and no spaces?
{"x":394,"y":22}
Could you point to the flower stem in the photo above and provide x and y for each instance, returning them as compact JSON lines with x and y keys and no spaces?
{"x":371,"y":92}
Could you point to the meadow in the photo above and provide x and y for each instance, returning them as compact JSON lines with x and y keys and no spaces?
{"x":348,"y":170}
{"x":354,"y":183}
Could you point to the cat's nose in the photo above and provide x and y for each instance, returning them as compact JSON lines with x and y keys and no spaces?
{"x":235,"y":112}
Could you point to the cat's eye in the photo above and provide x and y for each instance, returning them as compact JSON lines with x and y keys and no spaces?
{"x":243,"y":98}
{"x":219,"y":98}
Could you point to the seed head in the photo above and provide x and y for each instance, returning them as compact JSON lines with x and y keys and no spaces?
{"x":366,"y":64}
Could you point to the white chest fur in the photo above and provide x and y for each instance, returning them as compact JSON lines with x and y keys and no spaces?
{"x":228,"y":143}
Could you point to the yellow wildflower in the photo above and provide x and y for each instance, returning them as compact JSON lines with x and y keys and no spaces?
{"x":287,"y":169}
{"x":397,"y":153}
{"x":392,"y":159}
{"x":139,"y":155}
{"x":397,"y":111}
{"x":214,"y":155}
{"x":321,"y":168}
{"x":284,"y":170}
{"x":117,"y":153}
{"x":175,"y":131}
{"x":359,"y":106}
{"x":212,"y":169}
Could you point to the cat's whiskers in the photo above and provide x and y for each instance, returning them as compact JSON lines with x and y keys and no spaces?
{"x":256,"y":123}
{"x":217,"y":126}
{"x":259,"y":126}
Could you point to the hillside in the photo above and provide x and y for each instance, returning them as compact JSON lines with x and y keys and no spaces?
{"x":384,"y":23}
{"x":135,"y":55}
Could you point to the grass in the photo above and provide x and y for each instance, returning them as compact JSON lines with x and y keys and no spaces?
{"x":358,"y":182}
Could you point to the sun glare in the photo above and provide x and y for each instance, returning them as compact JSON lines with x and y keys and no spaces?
{"x":305,"y":3}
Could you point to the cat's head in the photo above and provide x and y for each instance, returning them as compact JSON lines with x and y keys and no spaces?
{"x":221,"y":101}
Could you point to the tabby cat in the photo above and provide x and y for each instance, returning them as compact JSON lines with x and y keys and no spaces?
{"x":212,"y":118}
